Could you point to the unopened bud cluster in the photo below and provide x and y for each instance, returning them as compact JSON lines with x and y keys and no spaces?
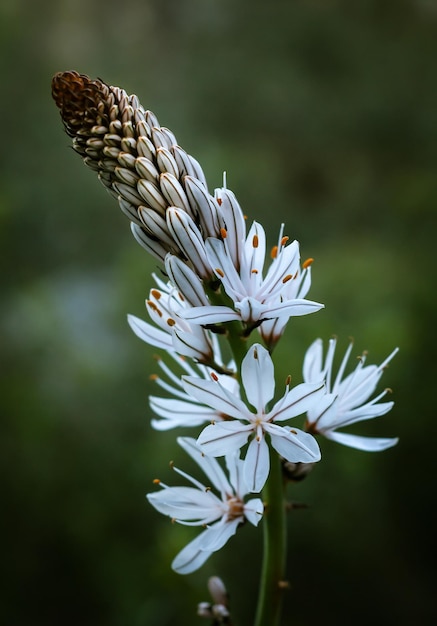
{"x":140,"y":163}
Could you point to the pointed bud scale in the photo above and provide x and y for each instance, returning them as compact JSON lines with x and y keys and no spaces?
{"x":174,"y":192}
{"x":166,"y":162}
{"x":207,"y":208}
{"x":189,"y":240}
{"x":151,"y":195}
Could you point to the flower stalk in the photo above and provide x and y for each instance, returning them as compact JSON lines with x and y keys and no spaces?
{"x":272,"y":582}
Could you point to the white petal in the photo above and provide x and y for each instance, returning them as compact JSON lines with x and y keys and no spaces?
{"x":253,"y":510}
{"x":313,"y":364}
{"x":223,"y":531}
{"x":324,"y":411}
{"x":187,"y":504}
{"x":256,"y":465}
{"x":285,"y":264}
{"x":292,"y":307}
{"x":150,"y":334}
{"x":258,"y":376}
{"x":216,"y":396}
{"x":369,"y":444}
{"x":178,"y":413}
{"x":209,"y":465}
{"x":193,"y":555}
{"x":366,"y":412}
{"x":298,"y":400}
{"x":209,"y":314}
{"x":172,"y":407}
{"x":234,"y":466}
{"x":254,"y":254}
{"x":196,"y":346}
{"x":223,"y":437}
{"x":358,"y":386}
{"x":293,"y":444}
{"x":232,"y":219}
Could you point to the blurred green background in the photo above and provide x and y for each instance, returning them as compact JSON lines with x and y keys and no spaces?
{"x":324,"y":115}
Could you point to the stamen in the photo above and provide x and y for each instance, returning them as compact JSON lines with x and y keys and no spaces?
{"x":284,"y":240}
{"x":171,"y":321}
{"x":255,"y":241}
{"x":220,"y":272}
{"x":214,"y":376}
{"x":274,"y":252}
{"x":293,"y":431}
{"x":156,"y":481}
{"x":287,"y":278}
{"x":288,"y":380}
{"x":153,"y":377}
{"x":255,"y":353}
{"x":207,"y":489}
{"x":155,"y":293}
{"x":307,"y":263}
{"x":219,"y":201}
{"x":254,"y":271}
{"x":223,"y":233}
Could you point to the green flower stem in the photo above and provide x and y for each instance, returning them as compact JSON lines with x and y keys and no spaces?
{"x":234,"y":330}
{"x":273,"y":568}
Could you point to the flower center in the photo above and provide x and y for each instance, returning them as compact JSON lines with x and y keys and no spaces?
{"x":235,"y":508}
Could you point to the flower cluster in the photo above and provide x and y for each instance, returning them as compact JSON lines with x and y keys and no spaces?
{"x":221,"y":284}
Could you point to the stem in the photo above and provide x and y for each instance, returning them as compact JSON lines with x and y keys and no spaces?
{"x":237,"y":340}
{"x":273,"y":567}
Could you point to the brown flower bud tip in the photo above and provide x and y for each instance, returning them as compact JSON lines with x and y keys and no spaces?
{"x":80,"y":100}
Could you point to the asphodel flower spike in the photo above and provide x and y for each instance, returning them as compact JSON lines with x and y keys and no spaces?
{"x":142,"y":166}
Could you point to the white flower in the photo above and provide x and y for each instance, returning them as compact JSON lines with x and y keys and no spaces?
{"x":239,"y":422}
{"x":199,"y":506}
{"x":347,"y":399}
{"x":255,"y":297}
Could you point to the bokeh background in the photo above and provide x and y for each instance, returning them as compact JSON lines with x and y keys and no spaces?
{"x":324,"y":115}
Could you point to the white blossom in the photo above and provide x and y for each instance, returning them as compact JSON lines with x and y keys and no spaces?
{"x":255,"y":297}
{"x":346,"y":399}
{"x":220,"y":513}
{"x":239,"y":422}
